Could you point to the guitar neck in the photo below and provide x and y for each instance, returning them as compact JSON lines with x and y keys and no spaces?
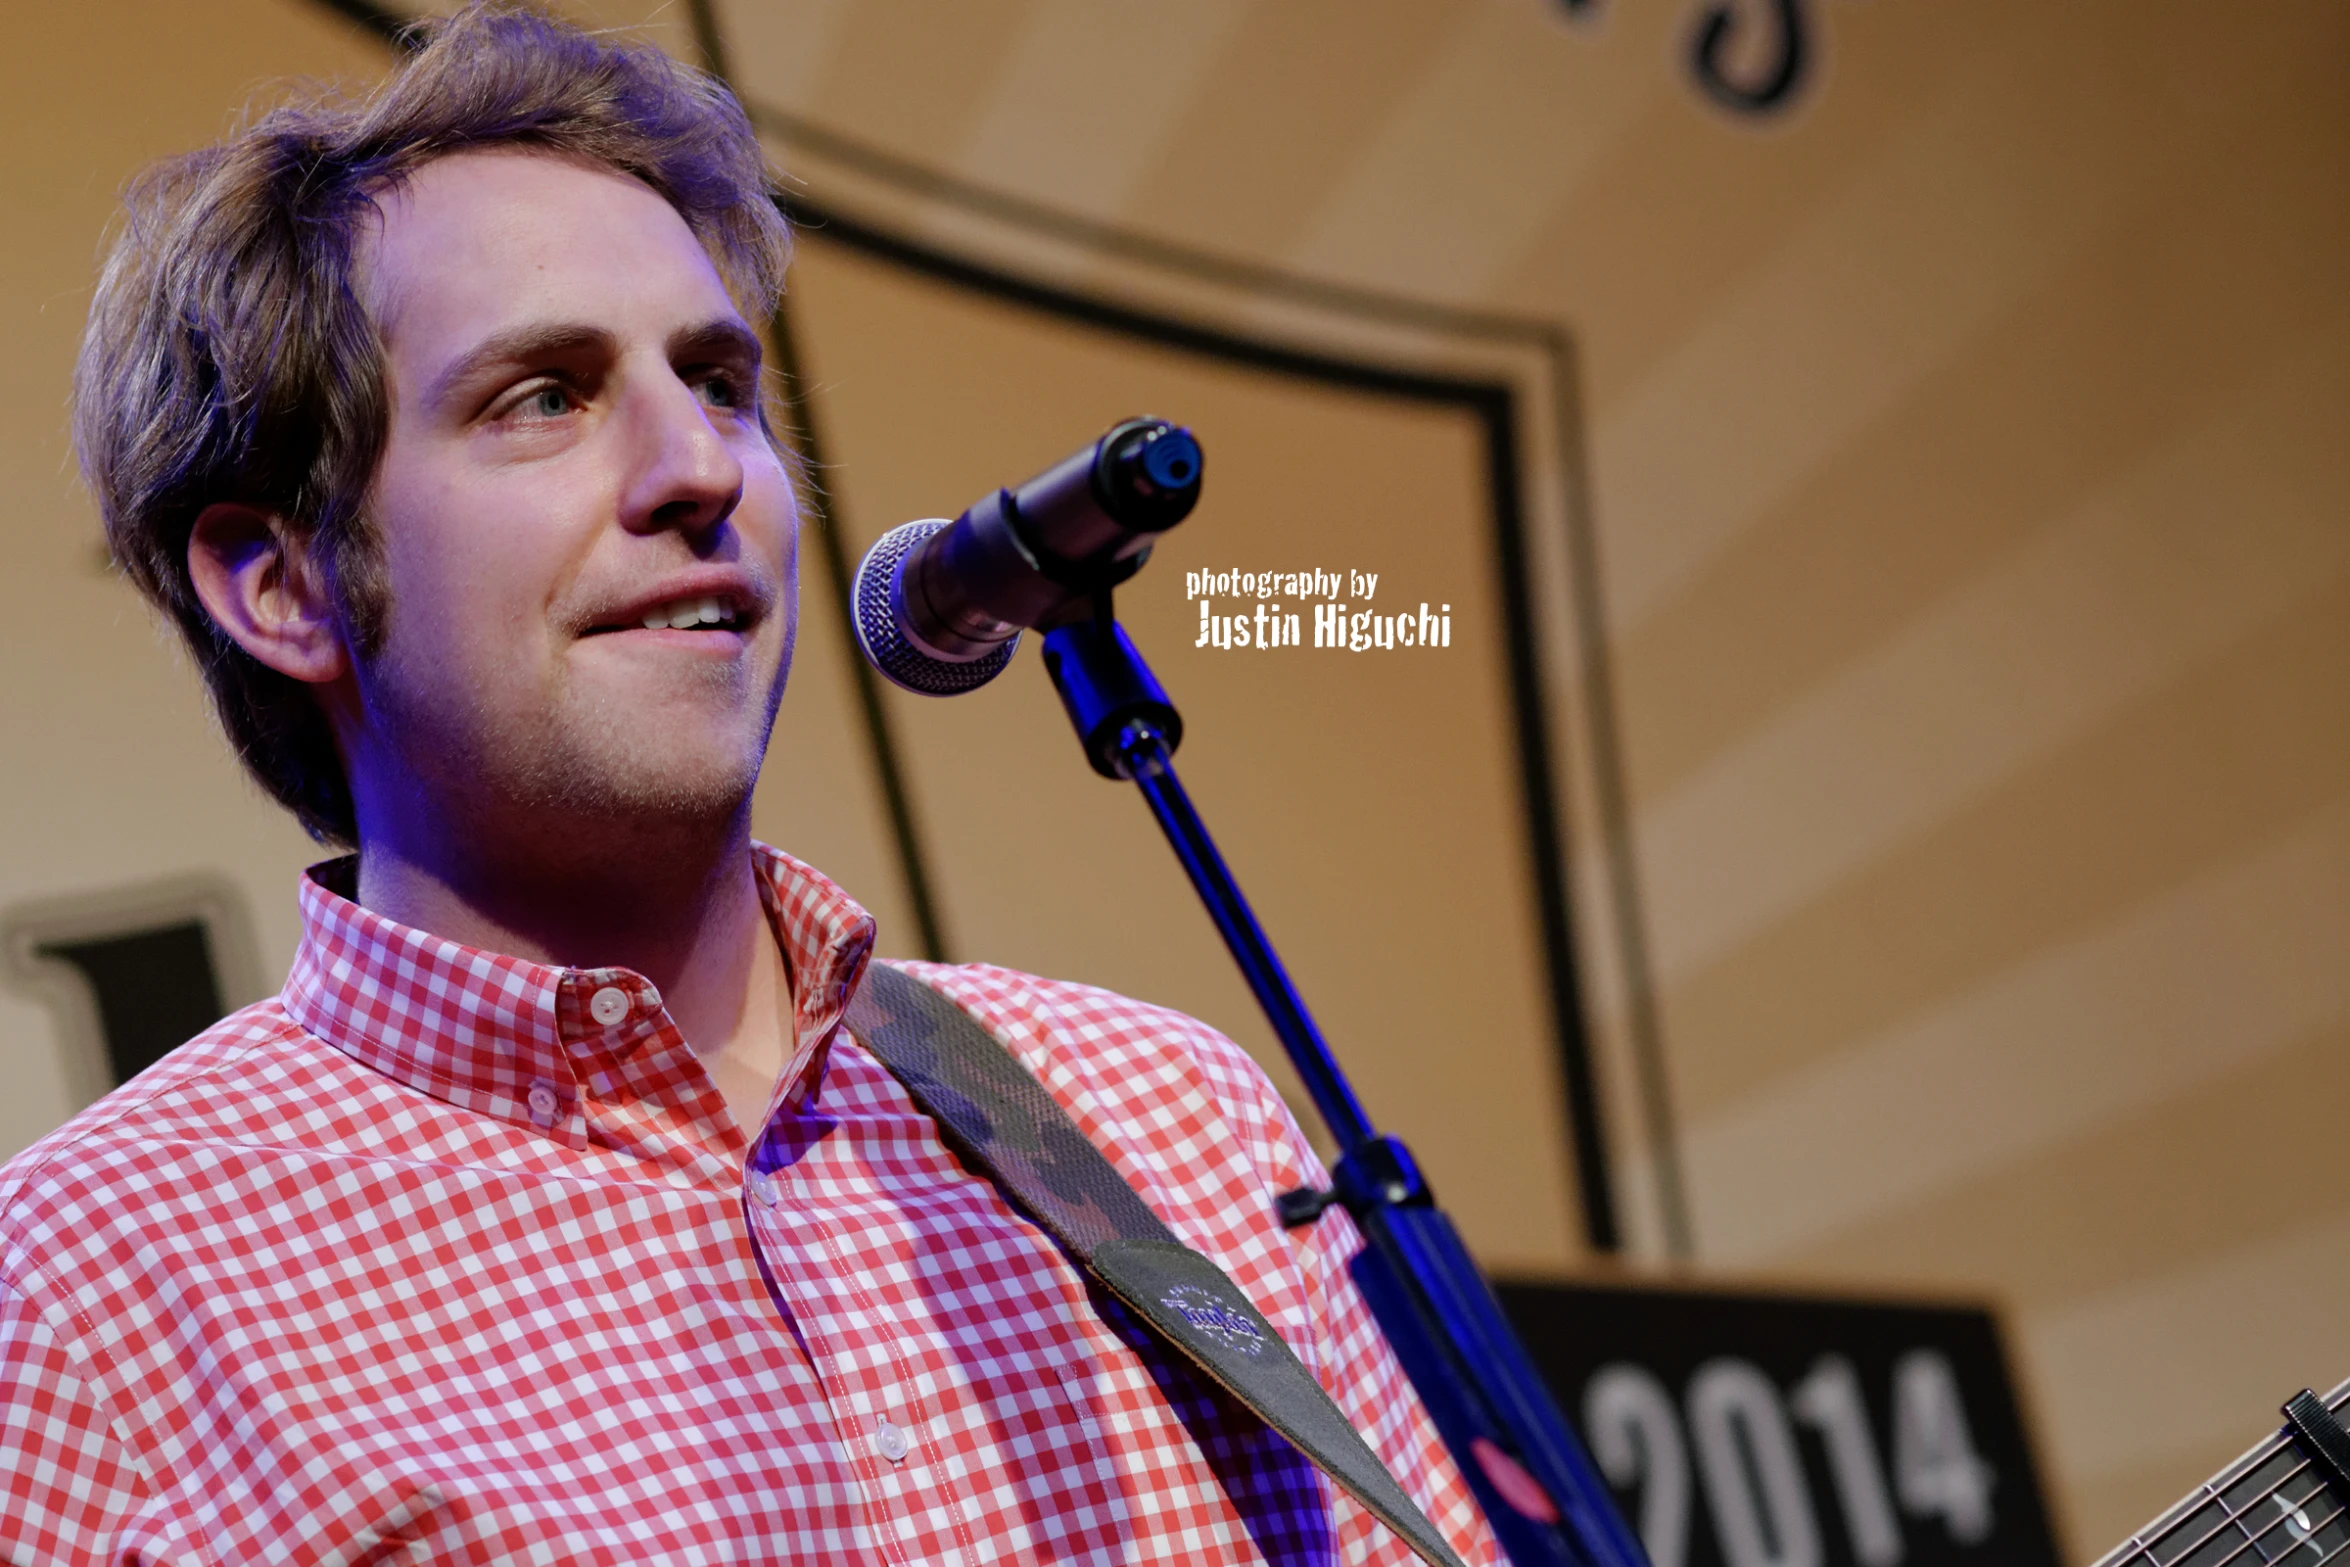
{"x":2271,"y":1506}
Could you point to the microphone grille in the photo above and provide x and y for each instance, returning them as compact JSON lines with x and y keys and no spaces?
{"x":874,"y":612}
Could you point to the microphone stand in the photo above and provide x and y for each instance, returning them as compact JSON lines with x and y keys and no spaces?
{"x":1546,"y":1504}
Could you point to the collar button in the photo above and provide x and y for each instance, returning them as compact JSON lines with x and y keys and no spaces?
{"x":608,"y":1005}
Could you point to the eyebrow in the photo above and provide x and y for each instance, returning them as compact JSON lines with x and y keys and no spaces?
{"x":718,"y":338}
{"x":722,"y":337}
{"x":516,"y":346}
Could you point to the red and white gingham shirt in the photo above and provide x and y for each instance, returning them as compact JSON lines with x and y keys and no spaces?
{"x":444,"y":1256}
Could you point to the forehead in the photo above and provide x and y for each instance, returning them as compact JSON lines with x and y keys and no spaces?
{"x":480,"y":241}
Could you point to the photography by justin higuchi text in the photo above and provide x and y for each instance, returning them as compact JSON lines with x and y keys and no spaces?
{"x":1339,"y":606}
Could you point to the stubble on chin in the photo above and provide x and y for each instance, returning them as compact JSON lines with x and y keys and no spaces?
{"x":584,"y":763}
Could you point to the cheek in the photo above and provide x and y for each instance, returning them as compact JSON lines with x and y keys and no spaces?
{"x":791,"y":563}
{"x":770,"y":503}
{"x":770,"y":518}
{"x":788,"y":585}
{"x":467,"y":576}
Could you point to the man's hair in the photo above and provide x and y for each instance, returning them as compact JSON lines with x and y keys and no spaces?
{"x":229,"y":357}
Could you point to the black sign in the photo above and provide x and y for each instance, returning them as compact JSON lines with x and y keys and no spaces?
{"x":1790,"y":1431}
{"x":156,"y":989}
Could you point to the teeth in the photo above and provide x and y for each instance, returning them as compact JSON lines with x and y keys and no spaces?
{"x":685,"y":614}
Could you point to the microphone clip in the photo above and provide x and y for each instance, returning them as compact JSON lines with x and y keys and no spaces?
{"x":1121,"y":713}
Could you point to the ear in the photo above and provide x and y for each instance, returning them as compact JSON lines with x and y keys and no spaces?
{"x":260,"y":586}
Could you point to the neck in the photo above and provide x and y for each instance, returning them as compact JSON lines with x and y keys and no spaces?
{"x":675,"y":901}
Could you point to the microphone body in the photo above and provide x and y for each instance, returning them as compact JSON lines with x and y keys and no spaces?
{"x":939,"y":606}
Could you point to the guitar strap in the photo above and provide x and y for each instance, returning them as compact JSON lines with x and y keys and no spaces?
{"x":1016,"y":1132}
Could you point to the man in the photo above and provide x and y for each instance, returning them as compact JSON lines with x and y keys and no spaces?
{"x":548,"y":1215}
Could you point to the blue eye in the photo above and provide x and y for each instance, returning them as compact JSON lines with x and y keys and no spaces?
{"x":548,"y":401}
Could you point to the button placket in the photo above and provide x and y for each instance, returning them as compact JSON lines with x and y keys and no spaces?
{"x":808,"y":1256}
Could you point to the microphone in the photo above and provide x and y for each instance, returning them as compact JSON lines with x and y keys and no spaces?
{"x":939,"y":606}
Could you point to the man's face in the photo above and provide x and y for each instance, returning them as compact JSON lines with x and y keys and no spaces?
{"x":588,"y":543}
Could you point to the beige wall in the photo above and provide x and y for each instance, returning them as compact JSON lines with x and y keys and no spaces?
{"x":1965,"y":450}
{"x":111,"y":772}
{"x":1368,"y":802}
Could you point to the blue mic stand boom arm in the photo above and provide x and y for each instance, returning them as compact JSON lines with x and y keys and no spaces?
{"x":1548,"y":1507}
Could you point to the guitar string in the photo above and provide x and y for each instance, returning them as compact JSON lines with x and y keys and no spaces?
{"x":2314,"y":1530}
{"x":2309,"y":1531}
{"x":2230,"y":1515}
{"x":2279,"y":1522}
{"x":2234,"y":1520}
{"x":2334,"y":1402}
{"x":2142,"y":1548}
{"x":2323,"y":1556}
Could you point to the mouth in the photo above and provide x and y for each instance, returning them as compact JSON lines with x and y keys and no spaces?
{"x":687,"y":612}
{"x":706,"y":613}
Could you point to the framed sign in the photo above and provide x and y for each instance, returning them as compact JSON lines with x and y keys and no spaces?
{"x":130,"y":973}
{"x":1768,"y":1430}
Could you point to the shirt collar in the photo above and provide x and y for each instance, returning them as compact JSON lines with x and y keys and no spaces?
{"x":530,"y":1043}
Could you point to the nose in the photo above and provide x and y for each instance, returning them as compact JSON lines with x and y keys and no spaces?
{"x":685,"y":477}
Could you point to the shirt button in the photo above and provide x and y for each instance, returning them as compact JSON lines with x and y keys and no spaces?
{"x":763,"y":1188}
{"x":608,"y":1006}
{"x":892,"y":1441}
{"x":542,"y":1104}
